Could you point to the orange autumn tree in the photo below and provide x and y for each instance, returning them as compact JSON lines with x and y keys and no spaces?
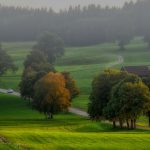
{"x":51,"y":95}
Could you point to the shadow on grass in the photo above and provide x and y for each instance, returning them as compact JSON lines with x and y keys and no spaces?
{"x":105,"y":127}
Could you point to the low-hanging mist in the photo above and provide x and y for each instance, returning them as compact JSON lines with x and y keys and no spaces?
{"x":61,"y":4}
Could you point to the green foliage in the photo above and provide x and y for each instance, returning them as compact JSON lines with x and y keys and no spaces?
{"x":27,"y":83}
{"x":30,"y":77}
{"x":146,"y":80}
{"x":34,"y":58}
{"x":51,"y":45}
{"x":101,"y":88}
{"x":75,"y":24}
{"x":37,"y":60}
{"x":118,"y":96}
{"x":101,"y":57}
{"x":129,"y":99}
{"x":35,"y":67}
{"x":6,"y":62}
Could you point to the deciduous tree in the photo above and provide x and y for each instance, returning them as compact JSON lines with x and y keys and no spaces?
{"x":101,"y":88}
{"x":51,"y":45}
{"x":27,"y":83}
{"x":128,"y":101}
{"x":51,"y":95}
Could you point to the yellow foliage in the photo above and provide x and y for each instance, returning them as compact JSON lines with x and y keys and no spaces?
{"x":52,"y":87}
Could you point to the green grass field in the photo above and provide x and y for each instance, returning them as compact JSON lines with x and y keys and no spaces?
{"x":22,"y":128}
{"x":84,"y":63}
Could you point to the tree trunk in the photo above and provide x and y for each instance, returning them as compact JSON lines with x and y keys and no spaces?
{"x":50,"y":116}
{"x":29,"y":101}
{"x":46,"y":115}
{"x":114,"y":124}
{"x":149,"y":119}
{"x":132,"y":124}
{"x":127,"y":121}
{"x":121,"y":123}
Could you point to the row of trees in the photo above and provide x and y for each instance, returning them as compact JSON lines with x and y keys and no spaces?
{"x":47,"y":90}
{"x":118,"y":96}
{"x":78,"y":26}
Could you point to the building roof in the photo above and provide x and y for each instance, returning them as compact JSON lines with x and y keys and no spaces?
{"x":138,"y":70}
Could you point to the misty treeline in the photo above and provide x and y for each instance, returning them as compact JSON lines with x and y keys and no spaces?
{"x":78,"y":26}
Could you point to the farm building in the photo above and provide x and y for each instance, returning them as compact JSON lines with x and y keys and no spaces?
{"x":142,"y":71}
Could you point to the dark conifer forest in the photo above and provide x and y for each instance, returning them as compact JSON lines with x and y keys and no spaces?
{"x":78,"y":26}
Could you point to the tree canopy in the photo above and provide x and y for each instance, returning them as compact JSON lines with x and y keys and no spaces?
{"x":101,"y":88}
{"x":51,"y":45}
{"x":127,"y":103}
{"x":51,"y":95}
{"x":118,"y":96}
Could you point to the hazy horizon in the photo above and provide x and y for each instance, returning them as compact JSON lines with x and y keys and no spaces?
{"x":61,"y":4}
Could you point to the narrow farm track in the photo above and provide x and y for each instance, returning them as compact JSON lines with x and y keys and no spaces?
{"x":78,"y":112}
{"x":119,"y":61}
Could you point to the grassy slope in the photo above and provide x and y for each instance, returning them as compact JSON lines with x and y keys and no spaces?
{"x":24,"y":128}
{"x":84,"y":63}
{"x":18,"y":51}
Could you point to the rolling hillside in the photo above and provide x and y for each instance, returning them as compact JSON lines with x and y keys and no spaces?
{"x":22,"y":128}
{"x":84,"y":63}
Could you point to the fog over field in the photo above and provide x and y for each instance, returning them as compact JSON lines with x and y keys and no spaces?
{"x":61,"y":4}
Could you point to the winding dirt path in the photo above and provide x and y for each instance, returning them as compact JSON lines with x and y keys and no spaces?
{"x":78,"y":112}
{"x":119,"y":61}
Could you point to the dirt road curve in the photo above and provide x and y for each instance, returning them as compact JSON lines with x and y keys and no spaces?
{"x":120,"y":60}
{"x":78,"y":112}
{"x":72,"y":110}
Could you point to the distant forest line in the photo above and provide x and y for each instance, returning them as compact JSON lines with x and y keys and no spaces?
{"x":78,"y":26}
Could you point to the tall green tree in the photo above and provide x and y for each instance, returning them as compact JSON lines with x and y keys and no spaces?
{"x":27,"y":83}
{"x":6,"y":62}
{"x":35,"y":58}
{"x":146,"y":80}
{"x":29,"y":78}
{"x":36,"y":66}
{"x":51,"y":45}
{"x":101,"y":88}
{"x":128,"y":101}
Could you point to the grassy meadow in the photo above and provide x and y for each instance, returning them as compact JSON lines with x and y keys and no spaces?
{"x":84,"y":63}
{"x":22,"y":128}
